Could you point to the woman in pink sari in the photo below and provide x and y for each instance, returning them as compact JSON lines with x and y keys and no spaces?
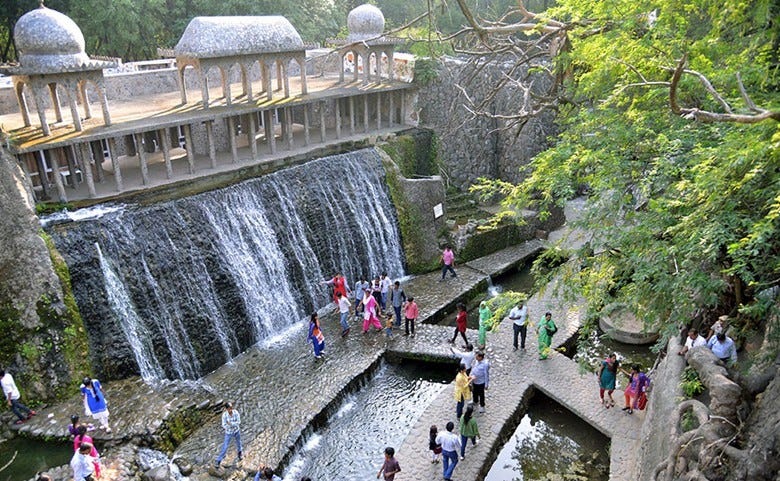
{"x":369,"y":312}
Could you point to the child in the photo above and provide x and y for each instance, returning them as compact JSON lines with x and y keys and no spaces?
{"x":389,"y":326}
{"x":390,"y":466}
{"x":433,"y":445}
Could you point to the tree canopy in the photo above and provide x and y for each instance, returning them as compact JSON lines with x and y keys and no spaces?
{"x":684,"y":198}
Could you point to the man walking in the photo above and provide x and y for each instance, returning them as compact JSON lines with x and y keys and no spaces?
{"x":344,"y":304}
{"x":450,"y":445}
{"x":519,"y":317}
{"x":12,"y":396}
{"x":231,"y":423}
{"x":397,"y":299}
{"x":480,"y":370}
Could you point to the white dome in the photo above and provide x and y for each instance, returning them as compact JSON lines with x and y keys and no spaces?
{"x":49,"y":41}
{"x":364,"y":22}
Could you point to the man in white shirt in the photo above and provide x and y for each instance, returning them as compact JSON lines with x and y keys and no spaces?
{"x":11,"y":394}
{"x":519,"y":316}
{"x":450,"y":445}
{"x":385,"y":284}
{"x":83,"y":464}
{"x":694,"y":339}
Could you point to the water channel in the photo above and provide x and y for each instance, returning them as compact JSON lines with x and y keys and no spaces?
{"x":350,"y":444}
{"x":550,"y":439}
{"x":31,"y":456}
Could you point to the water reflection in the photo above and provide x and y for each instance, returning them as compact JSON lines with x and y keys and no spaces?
{"x":599,"y":346}
{"x":31,"y":457}
{"x":380,"y":414}
{"x":551,"y":440}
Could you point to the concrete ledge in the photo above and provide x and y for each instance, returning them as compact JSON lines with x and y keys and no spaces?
{"x":623,"y":326}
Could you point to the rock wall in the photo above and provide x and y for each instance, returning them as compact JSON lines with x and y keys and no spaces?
{"x":661,"y":413}
{"x":480,"y":147}
{"x":43,"y":342}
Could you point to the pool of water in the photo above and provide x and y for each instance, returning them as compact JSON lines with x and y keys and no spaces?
{"x":351,"y":444}
{"x":31,"y":456}
{"x":550,"y":439}
{"x":600,"y":346}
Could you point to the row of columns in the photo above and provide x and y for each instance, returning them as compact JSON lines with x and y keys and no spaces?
{"x":348,"y":112}
{"x":202,"y":66}
{"x":46,"y":87}
{"x":365,"y":54}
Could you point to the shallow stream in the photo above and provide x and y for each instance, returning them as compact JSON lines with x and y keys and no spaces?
{"x":31,"y":456}
{"x":550,"y":439}
{"x":351,"y":444}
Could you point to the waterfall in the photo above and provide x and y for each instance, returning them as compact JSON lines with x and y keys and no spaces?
{"x":190,"y":283}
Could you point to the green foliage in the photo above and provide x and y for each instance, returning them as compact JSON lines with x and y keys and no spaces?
{"x":502,"y":304}
{"x":690,"y":383}
{"x":685,"y":215}
{"x":688,"y":421}
{"x":425,"y":71}
{"x":45,"y":208}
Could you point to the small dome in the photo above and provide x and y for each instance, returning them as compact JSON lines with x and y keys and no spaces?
{"x":364,"y":22}
{"x":207,"y":37}
{"x":49,"y":41}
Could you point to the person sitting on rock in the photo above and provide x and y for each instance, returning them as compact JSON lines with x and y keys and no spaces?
{"x":724,"y":348}
{"x":265,"y":473}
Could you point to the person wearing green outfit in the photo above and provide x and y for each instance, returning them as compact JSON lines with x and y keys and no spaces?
{"x":484,"y":321}
{"x":544,"y":332}
{"x":468,"y":430}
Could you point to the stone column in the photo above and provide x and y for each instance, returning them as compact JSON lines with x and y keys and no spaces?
{"x":204,"y":87}
{"x":232,"y":134}
{"x":142,"y":158}
{"x":403,"y":108}
{"x":37,"y":95}
{"x":43,"y":174}
{"x":286,"y":78}
{"x":74,"y":112}
{"x":352,"y":116}
{"x":306,"y":138}
{"x":341,"y":67}
{"x":55,"y":101}
{"x":288,"y":120}
{"x":130,"y":147}
{"x":21,"y":99}
{"x":73,"y":166}
{"x":226,"y":86}
{"x":252,"y":134}
{"x":165,"y":145}
{"x":338,"y":117}
{"x":322,"y":122}
{"x":246,"y":82}
{"x":182,"y":84}
{"x":85,"y":99}
{"x":355,"y":74}
{"x":270,"y":135}
{"x":212,"y":145}
{"x":392,"y":109}
{"x":390,"y":65}
{"x":365,"y":113}
{"x":97,"y":154}
{"x":304,"y":86}
{"x":104,"y":106}
{"x":190,"y":147}
{"x":367,"y":68}
{"x":86,"y":168}
{"x":57,"y":177}
{"x":378,"y":111}
{"x":267,"y":87}
{"x":115,"y":164}
{"x":278,"y":75}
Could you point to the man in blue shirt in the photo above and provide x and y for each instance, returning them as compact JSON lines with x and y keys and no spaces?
{"x":724,"y":348}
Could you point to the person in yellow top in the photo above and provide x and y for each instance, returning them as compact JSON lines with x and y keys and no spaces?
{"x":462,"y":389}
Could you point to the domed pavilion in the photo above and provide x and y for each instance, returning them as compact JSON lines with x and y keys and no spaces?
{"x":366,"y":50}
{"x":51,"y":54}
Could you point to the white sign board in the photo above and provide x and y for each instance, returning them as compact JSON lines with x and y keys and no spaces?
{"x":438,"y":211}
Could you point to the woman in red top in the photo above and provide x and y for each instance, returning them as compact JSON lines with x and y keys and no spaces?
{"x":82,"y":438}
{"x":339,"y":284}
{"x":461,"y":324}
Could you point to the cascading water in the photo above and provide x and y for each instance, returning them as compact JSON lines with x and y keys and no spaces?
{"x":179,"y":288}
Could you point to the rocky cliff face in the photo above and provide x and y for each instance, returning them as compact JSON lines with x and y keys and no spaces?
{"x":481,"y":146}
{"x":43,"y":342}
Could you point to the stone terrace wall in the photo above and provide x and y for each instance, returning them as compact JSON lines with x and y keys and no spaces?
{"x":468,"y":148}
{"x":664,"y":397}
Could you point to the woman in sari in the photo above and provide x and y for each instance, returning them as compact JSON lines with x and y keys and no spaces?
{"x":316,"y":337}
{"x":545,"y":330}
{"x":484,"y":320}
{"x":370,"y":318}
